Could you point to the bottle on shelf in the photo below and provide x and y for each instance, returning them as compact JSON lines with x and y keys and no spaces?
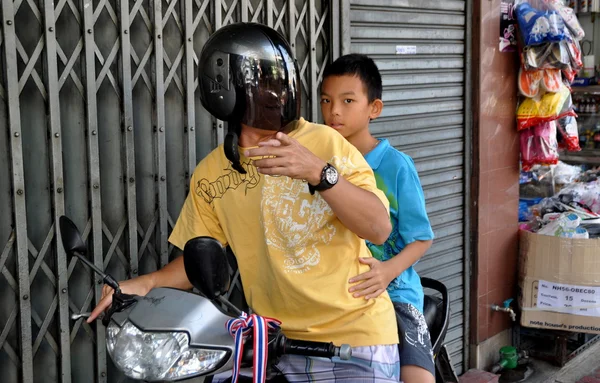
{"x":587,"y":105}
{"x":596,"y":137}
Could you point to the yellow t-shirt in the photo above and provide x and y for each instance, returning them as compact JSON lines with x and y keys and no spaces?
{"x":294,"y":255}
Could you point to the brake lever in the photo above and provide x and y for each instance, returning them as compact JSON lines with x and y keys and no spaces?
{"x":120,"y":303}
{"x":80,"y":315}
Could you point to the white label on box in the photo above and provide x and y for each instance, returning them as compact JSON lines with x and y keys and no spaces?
{"x":569,"y":299}
{"x":406,"y":50}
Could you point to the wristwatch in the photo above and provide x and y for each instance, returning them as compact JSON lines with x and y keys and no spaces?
{"x":329,"y":177}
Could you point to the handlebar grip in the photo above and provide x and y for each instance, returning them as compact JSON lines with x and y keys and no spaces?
{"x":279,"y":345}
{"x":319,"y":349}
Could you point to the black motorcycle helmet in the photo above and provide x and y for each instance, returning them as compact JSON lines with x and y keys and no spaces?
{"x":248,"y":76}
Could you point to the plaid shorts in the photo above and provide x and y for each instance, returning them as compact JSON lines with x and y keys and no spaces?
{"x":370,"y":364}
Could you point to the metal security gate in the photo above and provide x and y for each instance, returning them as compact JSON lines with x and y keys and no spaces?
{"x":420,"y":48}
{"x":100,"y":120}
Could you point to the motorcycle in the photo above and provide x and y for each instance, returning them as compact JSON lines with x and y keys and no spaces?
{"x":174,"y":335}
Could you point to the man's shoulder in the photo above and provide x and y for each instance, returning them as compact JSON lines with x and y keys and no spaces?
{"x":309,"y":130}
{"x":208,"y":163}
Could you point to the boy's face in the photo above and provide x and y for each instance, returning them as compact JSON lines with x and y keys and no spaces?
{"x":345,"y":104}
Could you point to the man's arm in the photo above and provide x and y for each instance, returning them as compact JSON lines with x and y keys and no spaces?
{"x":195,"y":219}
{"x":172,"y":275}
{"x":359,"y":210}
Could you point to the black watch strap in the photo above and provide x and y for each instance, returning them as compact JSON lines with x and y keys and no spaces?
{"x":324,"y":184}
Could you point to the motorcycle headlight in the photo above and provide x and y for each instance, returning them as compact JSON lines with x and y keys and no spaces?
{"x":157,"y":355}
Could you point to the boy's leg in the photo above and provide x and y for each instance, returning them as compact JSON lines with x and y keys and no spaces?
{"x":412,"y":374}
{"x":416,"y":354}
{"x":368,"y":364}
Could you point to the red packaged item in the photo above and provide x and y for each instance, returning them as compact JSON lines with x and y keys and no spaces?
{"x":568,"y":134}
{"x":539,"y":146}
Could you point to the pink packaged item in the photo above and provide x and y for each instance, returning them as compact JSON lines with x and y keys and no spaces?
{"x":539,"y":146}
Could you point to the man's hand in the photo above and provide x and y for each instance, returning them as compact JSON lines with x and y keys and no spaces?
{"x":374,"y":282}
{"x":137,"y":286}
{"x":358,"y":209}
{"x":289,"y":158}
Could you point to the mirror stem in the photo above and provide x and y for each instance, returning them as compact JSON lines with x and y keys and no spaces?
{"x":110,"y":281}
{"x":224,"y":301}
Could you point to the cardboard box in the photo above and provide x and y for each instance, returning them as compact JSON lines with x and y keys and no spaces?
{"x":559,"y":283}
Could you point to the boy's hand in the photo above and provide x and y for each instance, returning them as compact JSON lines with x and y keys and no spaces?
{"x":374,"y":282}
{"x":289,"y":158}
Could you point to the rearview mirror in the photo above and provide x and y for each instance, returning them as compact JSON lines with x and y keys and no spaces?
{"x":71,"y":239}
{"x":206,"y":266}
{"x":74,"y":246}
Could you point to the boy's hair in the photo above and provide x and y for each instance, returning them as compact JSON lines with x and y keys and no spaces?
{"x":361,"y":66}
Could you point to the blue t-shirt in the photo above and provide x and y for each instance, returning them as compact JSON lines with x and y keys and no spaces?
{"x":397,"y":177}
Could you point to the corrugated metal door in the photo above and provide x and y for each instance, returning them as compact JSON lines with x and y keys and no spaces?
{"x":420,"y":48}
{"x":100,"y":120}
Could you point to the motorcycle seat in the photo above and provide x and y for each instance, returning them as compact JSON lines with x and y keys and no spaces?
{"x":433,"y":311}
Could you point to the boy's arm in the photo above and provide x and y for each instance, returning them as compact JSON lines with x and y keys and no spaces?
{"x":407,"y":257}
{"x":413,"y":227}
{"x":382,"y":274}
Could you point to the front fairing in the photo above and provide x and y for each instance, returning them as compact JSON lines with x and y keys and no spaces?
{"x":171,"y":310}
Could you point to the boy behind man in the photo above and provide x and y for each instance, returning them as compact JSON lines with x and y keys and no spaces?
{"x":294,"y":226}
{"x":350,"y":99}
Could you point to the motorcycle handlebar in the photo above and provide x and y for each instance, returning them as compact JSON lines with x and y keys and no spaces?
{"x":320,"y":349}
{"x":281,"y":345}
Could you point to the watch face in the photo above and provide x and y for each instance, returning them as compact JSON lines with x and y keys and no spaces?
{"x":331,"y":175}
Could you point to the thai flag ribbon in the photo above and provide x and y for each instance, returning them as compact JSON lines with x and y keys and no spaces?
{"x":240,"y":328}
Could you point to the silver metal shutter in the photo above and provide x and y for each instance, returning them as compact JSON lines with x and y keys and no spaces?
{"x":424,"y":116}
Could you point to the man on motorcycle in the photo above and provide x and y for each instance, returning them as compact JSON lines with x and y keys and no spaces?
{"x":294,"y":201}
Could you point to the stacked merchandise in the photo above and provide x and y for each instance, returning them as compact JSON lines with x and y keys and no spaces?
{"x":572,"y":212}
{"x":550,"y":56}
{"x":559,"y":272}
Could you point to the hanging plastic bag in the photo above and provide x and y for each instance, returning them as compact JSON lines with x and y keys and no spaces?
{"x":569,"y":74}
{"x":534,"y":82}
{"x":529,"y":82}
{"x":539,"y":146}
{"x":549,"y":107}
{"x":552,"y":80}
{"x":568,"y":134}
{"x":565,"y":55}
{"x":568,"y":16}
{"x":539,"y":26}
{"x":574,"y":49}
{"x":551,"y":55}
